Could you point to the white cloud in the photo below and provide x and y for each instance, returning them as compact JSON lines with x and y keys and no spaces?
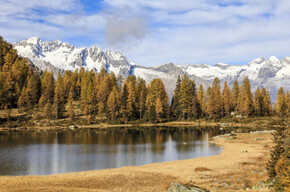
{"x":160,"y":31}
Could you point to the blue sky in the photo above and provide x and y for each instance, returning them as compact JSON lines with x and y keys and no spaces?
{"x":152,"y":32}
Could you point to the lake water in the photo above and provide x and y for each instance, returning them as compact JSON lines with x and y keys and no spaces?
{"x":52,"y":152}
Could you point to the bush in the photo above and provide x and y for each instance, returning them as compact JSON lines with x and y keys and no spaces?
{"x":202,"y":169}
{"x":279,"y":164}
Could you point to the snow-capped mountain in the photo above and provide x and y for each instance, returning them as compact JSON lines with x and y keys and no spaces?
{"x":55,"y":55}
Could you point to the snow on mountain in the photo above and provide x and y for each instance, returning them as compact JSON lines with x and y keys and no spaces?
{"x":55,"y":55}
{"x":271,"y":73}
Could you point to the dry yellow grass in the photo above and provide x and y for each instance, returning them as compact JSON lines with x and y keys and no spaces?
{"x":232,"y":170}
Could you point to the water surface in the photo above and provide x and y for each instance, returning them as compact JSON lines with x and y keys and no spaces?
{"x":53,"y":152}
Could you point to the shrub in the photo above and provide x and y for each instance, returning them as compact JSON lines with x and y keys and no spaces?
{"x":200,"y":169}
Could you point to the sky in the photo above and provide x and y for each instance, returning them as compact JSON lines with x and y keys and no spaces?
{"x":152,"y":32}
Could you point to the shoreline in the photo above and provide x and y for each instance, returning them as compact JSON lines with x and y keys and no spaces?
{"x":231,"y":170}
{"x":167,"y":124}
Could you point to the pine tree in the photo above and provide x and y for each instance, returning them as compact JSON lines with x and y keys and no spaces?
{"x":22,"y":99}
{"x":101,"y":109}
{"x":104,"y":89}
{"x":7,"y":111}
{"x":235,"y":95}
{"x":267,"y":106}
{"x":226,"y":99}
{"x":78,"y":88}
{"x":113,"y":104}
{"x":123,"y":103}
{"x":186,"y":95}
{"x":41,"y":101}
{"x":175,"y":105}
{"x":9,"y":90}
{"x":120,"y":81}
{"x":2,"y":89}
{"x":141,"y":96}
{"x":131,"y":101}
{"x":159,"y":109}
{"x":201,"y":99}
{"x":48,"y":110}
{"x":152,"y":114}
{"x":155,"y":90}
{"x":258,"y":102}
{"x":207,"y":100}
{"x":48,"y":87}
{"x":214,"y":101}
{"x":70,"y":106}
{"x":67,"y":83}
{"x":31,"y":92}
{"x":280,"y":137}
{"x":20,"y":71}
{"x":280,"y":104}
{"x":59,"y":99}
{"x":245,"y":98}
{"x":287,"y":98}
{"x":9,"y":59}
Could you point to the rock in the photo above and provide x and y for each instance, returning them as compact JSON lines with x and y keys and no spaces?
{"x":261,"y":132}
{"x":230,"y":138}
{"x":258,"y":139}
{"x":176,"y":187}
{"x":73,"y":127}
{"x":261,"y":182}
{"x":219,"y":136}
{"x":223,"y":125}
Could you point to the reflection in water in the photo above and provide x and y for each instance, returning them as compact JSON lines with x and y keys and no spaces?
{"x":52,"y":152}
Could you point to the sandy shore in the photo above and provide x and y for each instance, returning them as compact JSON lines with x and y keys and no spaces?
{"x":231,"y":170}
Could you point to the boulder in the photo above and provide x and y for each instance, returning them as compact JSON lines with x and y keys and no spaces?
{"x":176,"y":187}
{"x":73,"y":127}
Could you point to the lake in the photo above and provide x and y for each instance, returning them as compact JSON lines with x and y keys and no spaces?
{"x":62,"y":151}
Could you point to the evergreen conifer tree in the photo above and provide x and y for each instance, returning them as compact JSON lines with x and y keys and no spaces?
{"x":159,"y":109}
{"x":59,"y":100}
{"x":175,"y":105}
{"x":201,"y":99}
{"x":235,"y":95}
{"x":70,"y":106}
{"x":246,"y":98}
{"x":226,"y":99}
{"x":113,"y":104}
{"x":280,"y":104}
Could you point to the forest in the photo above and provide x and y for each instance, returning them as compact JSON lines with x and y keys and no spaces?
{"x":121,"y":100}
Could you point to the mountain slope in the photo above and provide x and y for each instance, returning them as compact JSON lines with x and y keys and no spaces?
{"x":55,"y":55}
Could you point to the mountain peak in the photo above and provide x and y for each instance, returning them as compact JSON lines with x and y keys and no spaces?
{"x":32,"y":40}
{"x":287,"y":59}
{"x":274,"y":59}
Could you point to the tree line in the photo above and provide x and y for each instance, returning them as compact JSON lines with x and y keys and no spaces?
{"x":215,"y":102}
{"x":105,"y":95}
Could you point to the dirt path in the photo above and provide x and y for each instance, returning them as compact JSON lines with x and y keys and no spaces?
{"x":232,"y":170}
